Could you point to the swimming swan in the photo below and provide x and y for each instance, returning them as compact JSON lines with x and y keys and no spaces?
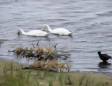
{"x":33,"y":33}
{"x":58,"y":31}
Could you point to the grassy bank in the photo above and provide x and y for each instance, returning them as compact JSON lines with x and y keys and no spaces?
{"x":11,"y":74}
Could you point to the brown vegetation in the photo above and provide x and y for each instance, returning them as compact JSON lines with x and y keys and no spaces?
{"x":51,"y":65}
{"x":45,"y":58}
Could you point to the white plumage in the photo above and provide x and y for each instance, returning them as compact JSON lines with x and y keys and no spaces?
{"x":58,"y":31}
{"x":33,"y":32}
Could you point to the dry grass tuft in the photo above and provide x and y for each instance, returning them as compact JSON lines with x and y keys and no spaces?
{"x":51,"y":65}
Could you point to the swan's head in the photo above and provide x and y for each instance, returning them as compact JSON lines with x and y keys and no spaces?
{"x":20,"y":31}
{"x":45,"y":26}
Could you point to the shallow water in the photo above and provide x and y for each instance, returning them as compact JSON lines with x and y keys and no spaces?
{"x":89,"y":20}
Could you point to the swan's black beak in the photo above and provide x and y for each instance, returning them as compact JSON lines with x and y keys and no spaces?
{"x":70,"y":35}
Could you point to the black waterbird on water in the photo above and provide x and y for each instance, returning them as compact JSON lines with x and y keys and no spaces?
{"x":104,"y":57}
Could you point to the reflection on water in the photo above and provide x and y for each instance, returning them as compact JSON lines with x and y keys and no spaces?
{"x":89,"y":20}
{"x":104,"y":64}
{"x":2,"y":41}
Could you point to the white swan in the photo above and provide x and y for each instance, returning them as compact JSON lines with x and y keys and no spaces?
{"x":58,"y":31}
{"x":33,"y":32}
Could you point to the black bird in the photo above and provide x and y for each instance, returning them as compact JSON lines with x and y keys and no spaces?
{"x":104,"y":57}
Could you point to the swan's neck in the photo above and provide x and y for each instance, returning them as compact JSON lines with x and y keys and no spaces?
{"x":49,"y":28}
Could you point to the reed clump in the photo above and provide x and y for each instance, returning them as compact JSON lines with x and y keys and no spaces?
{"x":52,"y":65}
{"x":45,"y":58}
{"x":47,"y":53}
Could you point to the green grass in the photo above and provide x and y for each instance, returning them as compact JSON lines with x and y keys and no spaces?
{"x":11,"y":74}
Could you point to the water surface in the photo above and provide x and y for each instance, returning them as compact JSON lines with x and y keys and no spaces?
{"x":89,"y":20}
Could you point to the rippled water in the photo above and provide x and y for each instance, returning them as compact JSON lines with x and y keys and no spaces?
{"x":89,"y":20}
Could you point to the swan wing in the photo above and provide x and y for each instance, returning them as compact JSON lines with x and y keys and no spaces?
{"x":37,"y":33}
{"x":61,"y":31}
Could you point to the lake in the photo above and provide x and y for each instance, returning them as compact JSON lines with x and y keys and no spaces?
{"x":89,"y":20}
